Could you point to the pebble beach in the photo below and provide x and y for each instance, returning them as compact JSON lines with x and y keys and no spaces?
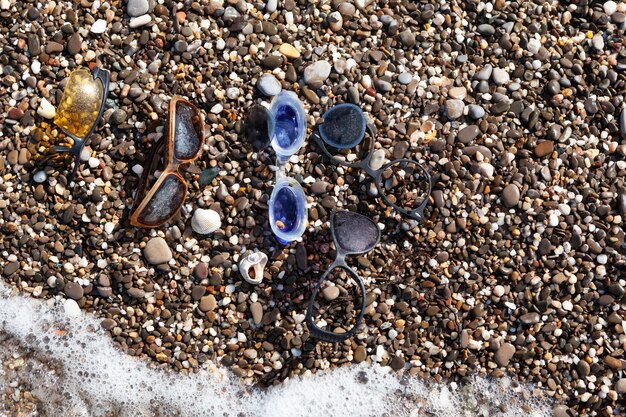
{"x":517,"y":273}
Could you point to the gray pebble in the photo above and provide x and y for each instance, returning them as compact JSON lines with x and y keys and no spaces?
{"x":500,"y":76}
{"x":475,"y":111}
{"x":405,"y":78}
{"x":317,"y":72}
{"x":454,"y":108}
{"x":137,"y":7}
{"x":486,"y":29}
{"x":485,"y":73}
{"x":468,"y":134}
{"x":268,"y":85}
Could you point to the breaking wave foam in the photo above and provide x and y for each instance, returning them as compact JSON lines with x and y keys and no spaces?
{"x":72,"y":367}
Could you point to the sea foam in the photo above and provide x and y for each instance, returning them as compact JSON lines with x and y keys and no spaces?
{"x":73,"y":368}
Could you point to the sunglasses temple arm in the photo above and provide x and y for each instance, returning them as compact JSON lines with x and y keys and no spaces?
{"x":418,"y":213}
{"x":103,"y":76}
{"x":153,"y":158}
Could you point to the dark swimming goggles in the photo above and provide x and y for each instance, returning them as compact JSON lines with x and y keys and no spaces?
{"x":403,"y":184}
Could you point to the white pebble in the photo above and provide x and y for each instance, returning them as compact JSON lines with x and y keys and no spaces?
{"x":137,"y":169}
{"x":486,"y":169}
{"x":94,"y":162}
{"x":46,"y":109}
{"x":232,"y":93}
{"x":217,"y":109}
{"x":602,"y":259}
{"x":99,"y":26}
{"x":5,"y":4}
{"x":533,"y":45}
{"x":567,"y":305}
{"x":271,"y":6}
{"x":136,"y":22}
{"x":71,"y":308}
{"x":610,"y":7}
{"x":109,"y":227}
{"x":40,"y":177}
{"x":554,"y":220}
{"x":498,"y":291}
{"x":35,"y":67}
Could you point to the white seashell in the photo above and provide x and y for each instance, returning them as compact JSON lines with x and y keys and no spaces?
{"x":255,"y":262}
{"x":205,"y":221}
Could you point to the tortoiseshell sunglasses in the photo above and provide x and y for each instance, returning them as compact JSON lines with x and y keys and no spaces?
{"x":184,"y":141}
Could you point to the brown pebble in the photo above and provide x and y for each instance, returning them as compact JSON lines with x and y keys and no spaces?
{"x":359,"y":354}
{"x":544,"y":148}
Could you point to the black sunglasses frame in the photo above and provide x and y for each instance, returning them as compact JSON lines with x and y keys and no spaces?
{"x":339,"y":262}
{"x":79,"y":143}
{"x":376,"y":175}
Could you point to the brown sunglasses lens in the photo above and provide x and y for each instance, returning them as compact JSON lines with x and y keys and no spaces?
{"x":41,"y":142}
{"x":164,"y":203}
{"x":188,"y":131}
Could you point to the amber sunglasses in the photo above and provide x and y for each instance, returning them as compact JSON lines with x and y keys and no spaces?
{"x":183,"y":143}
{"x":76,"y":119}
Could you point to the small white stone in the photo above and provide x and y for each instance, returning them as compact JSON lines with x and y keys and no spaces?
{"x":565,"y":209}
{"x":35,"y":67}
{"x":602,"y":259}
{"x":498,"y":291}
{"x":271,"y":6}
{"x":217,"y":109}
{"x":220,"y":44}
{"x":99,"y":26}
{"x":610,"y":7}
{"x":94,"y":162}
{"x":85,"y":154}
{"x":378,"y":159}
{"x":5,"y":4}
{"x":486,"y":169}
{"x":554,"y":220}
{"x":109,"y":227}
{"x":71,"y":308}
{"x":232,"y":93}
{"x":40,"y":177}
{"x":137,"y":169}
{"x":533,"y":45}
{"x":136,"y":22}
{"x":46,"y":109}
{"x":567,"y":305}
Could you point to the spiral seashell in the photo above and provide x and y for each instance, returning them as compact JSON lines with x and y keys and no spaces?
{"x":252,"y":267}
{"x":205,"y":221}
